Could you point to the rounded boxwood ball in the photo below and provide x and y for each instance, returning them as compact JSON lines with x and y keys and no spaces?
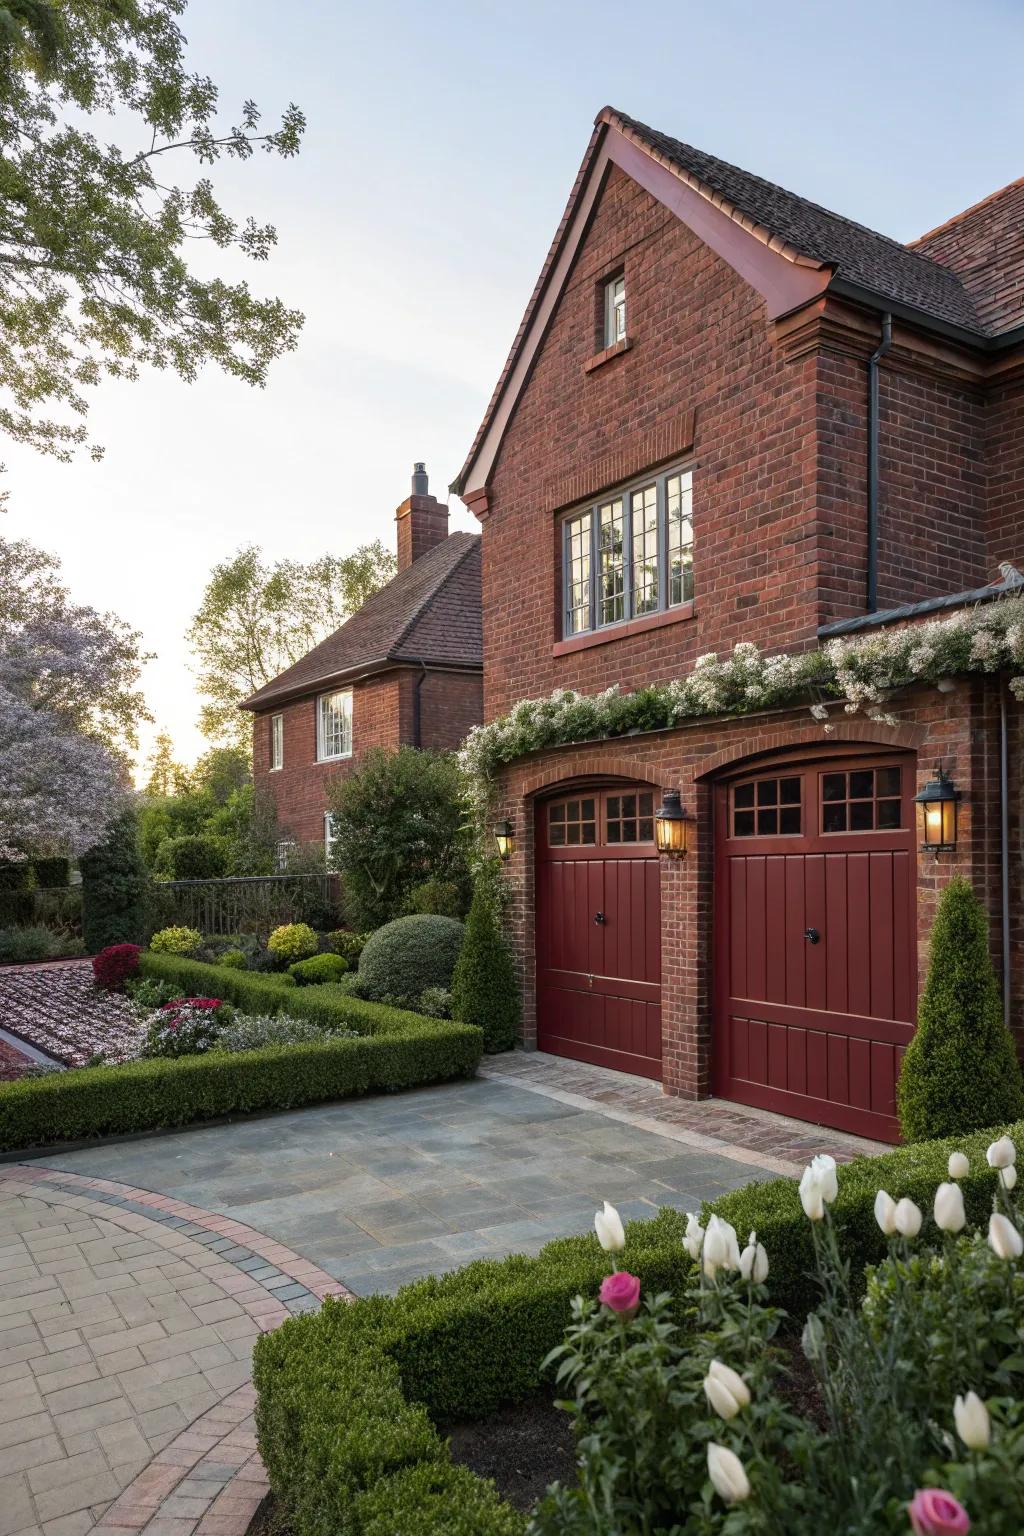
{"x":404,"y":957}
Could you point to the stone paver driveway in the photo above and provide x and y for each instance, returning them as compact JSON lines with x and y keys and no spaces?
{"x":383,"y":1190}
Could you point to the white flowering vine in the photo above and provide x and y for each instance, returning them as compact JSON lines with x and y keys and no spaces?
{"x":860,"y":673}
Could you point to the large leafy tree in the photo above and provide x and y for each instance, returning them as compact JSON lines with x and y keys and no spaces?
{"x":69,"y":708}
{"x":94,"y":275}
{"x":257,"y":618}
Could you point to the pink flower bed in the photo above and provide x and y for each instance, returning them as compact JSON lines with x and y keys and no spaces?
{"x":60,"y":1011}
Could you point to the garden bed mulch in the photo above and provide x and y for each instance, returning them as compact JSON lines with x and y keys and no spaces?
{"x":523,"y":1448}
{"x":59,"y":1011}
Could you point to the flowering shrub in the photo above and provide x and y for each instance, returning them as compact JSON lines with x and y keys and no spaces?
{"x":184,"y":1027}
{"x":176,"y":941}
{"x":917,"y":1427}
{"x":861,"y":672}
{"x":251,"y":1032}
{"x":292,"y":941}
{"x":113,"y":966}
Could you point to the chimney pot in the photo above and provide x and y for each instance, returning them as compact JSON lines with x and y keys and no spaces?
{"x":420,"y":484}
{"x":422,"y":520}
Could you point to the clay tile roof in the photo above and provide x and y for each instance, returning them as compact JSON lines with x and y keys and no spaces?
{"x":984,"y":246}
{"x":429,"y":612}
{"x":860,"y":255}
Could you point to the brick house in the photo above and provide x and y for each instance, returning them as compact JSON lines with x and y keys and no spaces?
{"x":729,"y":415}
{"x":405,"y":670}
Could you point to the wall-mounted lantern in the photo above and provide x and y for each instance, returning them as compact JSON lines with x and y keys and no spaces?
{"x":937,"y":816}
{"x":505,"y":837}
{"x":670,"y":825}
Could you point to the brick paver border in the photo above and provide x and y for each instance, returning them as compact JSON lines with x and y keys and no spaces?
{"x":209,"y":1480}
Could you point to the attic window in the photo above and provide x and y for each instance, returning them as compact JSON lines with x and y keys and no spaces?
{"x":615,"y":310}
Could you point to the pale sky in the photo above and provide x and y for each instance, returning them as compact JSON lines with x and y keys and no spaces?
{"x":443,"y":140}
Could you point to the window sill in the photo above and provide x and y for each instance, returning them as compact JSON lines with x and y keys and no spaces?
{"x":278,"y":769}
{"x":615,"y":350}
{"x":340,"y":757}
{"x":621,"y":631}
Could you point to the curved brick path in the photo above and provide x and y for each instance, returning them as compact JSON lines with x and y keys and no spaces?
{"x":126,"y":1328}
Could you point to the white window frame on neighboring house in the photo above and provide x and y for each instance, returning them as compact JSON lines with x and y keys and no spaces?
{"x":615,"y":309}
{"x":282,"y":852}
{"x":330,"y":837}
{"x":334,"y":725}
{"x":276,"y":743}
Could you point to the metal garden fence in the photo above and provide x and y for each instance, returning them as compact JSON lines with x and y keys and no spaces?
{"x":248,"y":903}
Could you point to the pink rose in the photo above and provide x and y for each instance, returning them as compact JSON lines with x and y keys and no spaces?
{"x":621,"y":1293}
{"x":934,"y":1512}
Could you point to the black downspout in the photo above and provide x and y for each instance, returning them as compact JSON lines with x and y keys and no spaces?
{"x":873,"y":362}
{"x":417,"y":706}
{"x":1004,"y":849}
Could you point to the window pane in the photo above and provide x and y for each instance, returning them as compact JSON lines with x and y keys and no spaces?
{"x":862,"y":784}
{"x":613,"y":807}
{"x":743,"y":794}
{"x":614,"y":831}
{"x":577,"y":560}
{"x":588,"y":810}
{"x":589,"y":832}
{"x":611,"y":554}
{"x":572,"y":811}
{"x":556,"y":835}
{"x":336,"y":725}
{"x":679,"y":519}
{"x":768,"y":792}
{"x":614,"y":310}
{"x":647,"y":830}
{"x":557,"y":813}
{"x":645,"y":550}
{"x":768,"y":823}
{"x":789,"y":820}
{"x":833,"y":818}
{"x":833,"y":786}
{"x":862,"y":815}
{"x":888,"y":813}
{"x":647,"y":804}
{"x":573,"y":832}
{"x":743,"y":824}
{"x":887,"y":781}
{"x":789,"y":791}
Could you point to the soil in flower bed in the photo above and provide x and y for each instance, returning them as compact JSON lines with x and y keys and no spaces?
{"x":523,"y":1448}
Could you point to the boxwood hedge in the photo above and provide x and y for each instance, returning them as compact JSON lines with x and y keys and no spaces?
{"x":394,"y":1049}
{"x":349,"y":1398}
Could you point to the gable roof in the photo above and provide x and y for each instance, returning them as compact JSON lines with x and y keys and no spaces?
{"x":430,"y":612}
{"x":984,"y":246}
{"x":919,"y":280}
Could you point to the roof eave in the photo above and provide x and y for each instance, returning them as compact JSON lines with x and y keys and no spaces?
{"x":355,"y":674}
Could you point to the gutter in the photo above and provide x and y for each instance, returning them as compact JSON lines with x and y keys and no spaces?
{"x":873,"y":458}
{"x":1012,"y":584}
{"x":258,"y":703}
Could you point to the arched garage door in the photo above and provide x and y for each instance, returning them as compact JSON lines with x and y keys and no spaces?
{"x":815,"y":938}
{"x":598,"y":922}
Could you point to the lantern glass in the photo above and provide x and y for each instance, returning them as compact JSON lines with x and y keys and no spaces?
{"x":504,"y":836}
{"x":670,"y":825}
{"x":937,"y":802}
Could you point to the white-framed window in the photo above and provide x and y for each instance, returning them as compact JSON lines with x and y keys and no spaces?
{"x":330,"y":838}
{"x":615,"y":310}
{"x":334,"y":725}
{"x":629,"y":555}
{"x":283,"y":854}
{"x":276,"y":743}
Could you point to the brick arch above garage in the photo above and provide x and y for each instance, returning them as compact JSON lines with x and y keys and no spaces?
{"x":860,"y":732}
{"x":551,"y":775}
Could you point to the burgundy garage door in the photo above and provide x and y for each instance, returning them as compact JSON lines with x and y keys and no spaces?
{"x":815,"y":939}
{"x":598,"y":915}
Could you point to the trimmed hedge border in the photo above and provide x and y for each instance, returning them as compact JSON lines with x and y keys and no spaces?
{"x":348,"y":1398}
{"x":395,"y":1049}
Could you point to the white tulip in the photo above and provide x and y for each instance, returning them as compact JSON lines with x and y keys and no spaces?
{"x":721,"y":1249}
{"x":1003,"y":1237}
{"x":720,"y":1398}
{"x":959,"y":1167}
{"x":885,"y":1213}
{"x":754,"y":1261}
{"x":950,"y":1215}
{"x":609,"y":1229}
{"x":693,"y":1238}
{"x":972,"y":1422}
{"x":1008,"y":1177}
{"x":818,"y":1186}
{"x":908,"y":1218}
{"x":731,"y":1381}
{"x":812,"y":1340}
{"x":727,"y":1475}
{"x":1002,"y":1153}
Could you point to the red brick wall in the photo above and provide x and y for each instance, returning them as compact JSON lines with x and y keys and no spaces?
{"x":382,"y":716}
{"x":700,"y":345}
{"x":1005,"y":463}
{"x":960,"y":728}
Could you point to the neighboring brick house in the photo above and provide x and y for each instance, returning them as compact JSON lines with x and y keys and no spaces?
{"x":684,"y":435}
{"x":405,"y":670}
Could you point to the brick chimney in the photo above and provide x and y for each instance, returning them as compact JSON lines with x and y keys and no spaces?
{"x":422,"y":521}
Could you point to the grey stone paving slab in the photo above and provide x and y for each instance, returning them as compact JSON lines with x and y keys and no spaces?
{"x":382,"y":1191}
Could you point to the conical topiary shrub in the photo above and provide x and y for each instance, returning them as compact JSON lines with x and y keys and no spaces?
{"x":484,"y":989}
{"x":961,"y":1071}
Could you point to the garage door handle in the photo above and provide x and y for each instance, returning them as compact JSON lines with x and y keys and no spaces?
{"x":812,"y":936}
{"x":600,"y":918}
